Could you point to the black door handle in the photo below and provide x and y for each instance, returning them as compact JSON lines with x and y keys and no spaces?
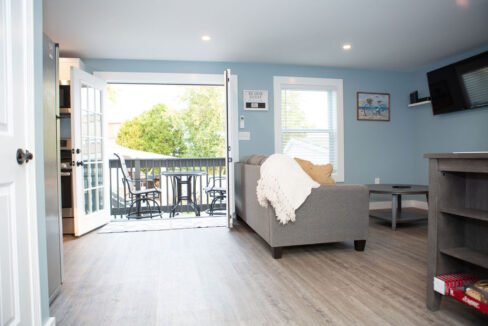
{"x":79,"y":163}
{"x":23,"y":157}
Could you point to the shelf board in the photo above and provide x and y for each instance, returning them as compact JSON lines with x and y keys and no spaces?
{"x":408,"y":214}
{"x":418,"y":104}
{"x":476,"y":214}
{"x":468,"y":255}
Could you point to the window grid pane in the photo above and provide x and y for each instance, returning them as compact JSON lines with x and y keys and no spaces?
{"x":309,"y":124}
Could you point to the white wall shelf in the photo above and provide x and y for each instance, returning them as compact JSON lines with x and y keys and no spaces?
{"x":418,"y":104}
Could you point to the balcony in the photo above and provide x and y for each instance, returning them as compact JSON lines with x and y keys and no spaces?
{"x":148,"y":171}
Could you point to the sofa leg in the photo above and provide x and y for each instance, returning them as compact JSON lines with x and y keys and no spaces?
{"x":277,"y":252}
{"x":359,"y":245}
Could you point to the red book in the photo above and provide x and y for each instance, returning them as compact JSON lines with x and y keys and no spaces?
{"x":458,"y":294}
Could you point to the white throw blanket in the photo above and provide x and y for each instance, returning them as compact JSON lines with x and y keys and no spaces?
{"x":285,"y":185}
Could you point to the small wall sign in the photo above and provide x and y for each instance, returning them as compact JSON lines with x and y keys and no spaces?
{"x":255,"y":100}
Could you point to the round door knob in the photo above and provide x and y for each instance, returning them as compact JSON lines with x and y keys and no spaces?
{"x":23,"y":157}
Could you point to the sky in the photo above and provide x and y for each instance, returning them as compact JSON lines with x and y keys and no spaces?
{"x":133,"y":99}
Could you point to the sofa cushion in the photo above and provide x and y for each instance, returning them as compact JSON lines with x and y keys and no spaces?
{"x":256,"y":159}
{"x":321,"y":173}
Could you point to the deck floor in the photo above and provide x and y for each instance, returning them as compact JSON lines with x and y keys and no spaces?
{"x":214,"y":276}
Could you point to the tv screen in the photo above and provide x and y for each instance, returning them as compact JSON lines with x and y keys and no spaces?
{"x":460,"y":86}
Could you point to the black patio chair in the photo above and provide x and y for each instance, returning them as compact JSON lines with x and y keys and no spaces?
{"x":139,"y":196}
{"x":216,"y":191}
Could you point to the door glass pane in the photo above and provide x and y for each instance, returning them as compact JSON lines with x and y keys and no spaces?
{"x":93,"y":149}
{"x":94,"y":200}
{"x":84,"y":122}
{"x":98,"y":99}
{"x":87,"y":202}
{"x":85,"y":176}
{"x":84,"y":98}
{"x":98,"y":126}
{"x":91,"y":125}
{"x":100,"y":174}
{"x":100,"y":198}
{"x":91,"y":99}
{"x":98,"y":150}
{"x":85,"y":149}
{"x":93,"y":175}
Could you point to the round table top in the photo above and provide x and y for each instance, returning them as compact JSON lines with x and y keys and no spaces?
{"x":183,"y":173}
{"x":397,"y":189}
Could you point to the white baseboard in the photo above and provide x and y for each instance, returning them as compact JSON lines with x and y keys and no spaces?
{"x":50,"y":322}
{"x":405,"y":203}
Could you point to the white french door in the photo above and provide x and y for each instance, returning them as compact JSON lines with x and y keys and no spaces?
{"x":231,"y":110}
{"x":20,"y":300}
{"x":230,"y":117}
{"x":90,"y":161}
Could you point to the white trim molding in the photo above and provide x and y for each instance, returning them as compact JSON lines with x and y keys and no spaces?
{"x":305,"y":83}
{"x":161,"y":78}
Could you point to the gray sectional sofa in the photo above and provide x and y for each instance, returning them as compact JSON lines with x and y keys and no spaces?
{"x":330,"y":213}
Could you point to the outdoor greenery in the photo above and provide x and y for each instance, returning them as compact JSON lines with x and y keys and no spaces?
{"x":196,"y":131}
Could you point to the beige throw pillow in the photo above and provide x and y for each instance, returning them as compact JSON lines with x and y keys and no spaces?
{"x":319,"y":173}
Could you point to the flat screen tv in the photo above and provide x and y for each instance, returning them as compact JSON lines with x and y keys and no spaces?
{"x":460,"y":86}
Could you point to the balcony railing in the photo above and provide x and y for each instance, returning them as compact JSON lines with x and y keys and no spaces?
{"x":148,"y":171}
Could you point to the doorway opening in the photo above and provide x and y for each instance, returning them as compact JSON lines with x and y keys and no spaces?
{"x":172,"y":138}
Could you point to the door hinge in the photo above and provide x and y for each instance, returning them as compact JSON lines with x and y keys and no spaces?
{"x":229,"y":159}
{"x":229,"y":149}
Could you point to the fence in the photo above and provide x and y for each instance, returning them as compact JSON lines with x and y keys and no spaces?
{"x":148,"y":171}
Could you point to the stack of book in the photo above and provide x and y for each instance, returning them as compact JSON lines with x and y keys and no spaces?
{"x":465,"y":288}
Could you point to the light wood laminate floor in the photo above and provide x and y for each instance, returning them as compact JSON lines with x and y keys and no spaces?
{"x":219,"y":277}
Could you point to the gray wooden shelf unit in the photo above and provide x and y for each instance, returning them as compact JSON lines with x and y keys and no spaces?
{"x":458,"y":217}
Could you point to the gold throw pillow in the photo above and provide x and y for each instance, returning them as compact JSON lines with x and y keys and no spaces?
{"x":321,"y":173}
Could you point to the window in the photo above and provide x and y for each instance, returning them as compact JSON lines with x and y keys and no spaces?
{"x":309,"y":120}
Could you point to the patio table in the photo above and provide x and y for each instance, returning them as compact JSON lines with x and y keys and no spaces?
{"x":180,"y":179}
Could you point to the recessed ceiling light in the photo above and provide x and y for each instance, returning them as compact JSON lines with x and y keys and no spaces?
{"x":206,"y":38}
{"x":347,"y":46}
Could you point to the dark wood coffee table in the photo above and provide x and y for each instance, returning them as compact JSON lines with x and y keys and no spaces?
{"x":396,"y":214}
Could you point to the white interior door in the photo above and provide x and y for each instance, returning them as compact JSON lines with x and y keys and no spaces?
{"x":90,"y":161}
{"x":230,"y":119}
{"x":19,"y":269}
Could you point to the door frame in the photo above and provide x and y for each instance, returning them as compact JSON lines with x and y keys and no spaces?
{"x":188,"y":79}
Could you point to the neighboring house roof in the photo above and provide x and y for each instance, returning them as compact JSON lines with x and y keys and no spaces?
{"x":306,"y":150}
{"x":128,"y":153}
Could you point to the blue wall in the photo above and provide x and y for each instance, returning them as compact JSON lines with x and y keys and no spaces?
{"x":372,"y":149}
{"x":451,"y":132}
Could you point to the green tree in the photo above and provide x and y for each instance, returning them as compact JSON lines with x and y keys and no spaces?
{"x":292,"y":115}
{"x":203,"y":122}
{"x":156,"y":130}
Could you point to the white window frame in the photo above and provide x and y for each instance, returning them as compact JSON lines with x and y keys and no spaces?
{"x":304,"y":83}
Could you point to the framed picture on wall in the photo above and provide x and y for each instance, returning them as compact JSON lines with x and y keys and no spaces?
{"x":373,"y":106}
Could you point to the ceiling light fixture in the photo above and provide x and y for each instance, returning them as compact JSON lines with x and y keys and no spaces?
{"x":206,"y":38}
{"x":347,"y":46}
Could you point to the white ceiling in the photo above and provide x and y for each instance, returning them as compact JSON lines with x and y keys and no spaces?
{"x":385,"y":34}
